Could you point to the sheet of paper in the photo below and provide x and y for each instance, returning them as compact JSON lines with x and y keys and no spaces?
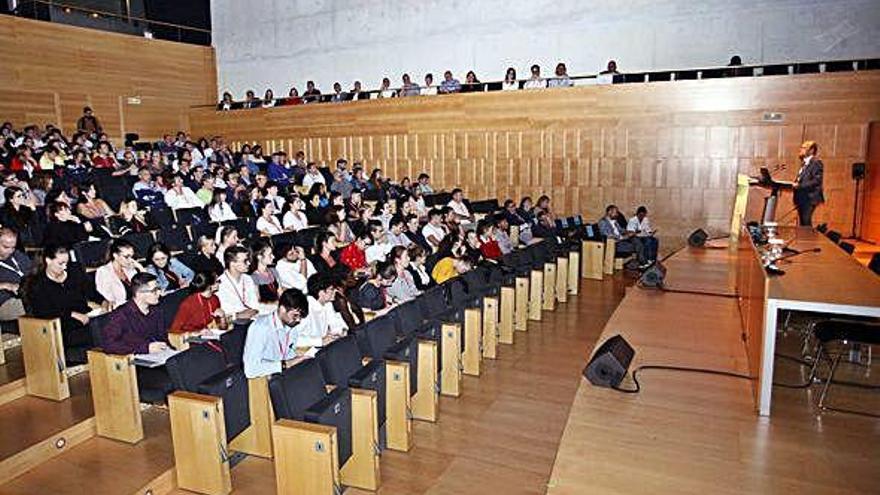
{"x":154,"y":359}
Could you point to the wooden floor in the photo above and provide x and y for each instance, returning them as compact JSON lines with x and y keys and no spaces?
{"x":693,"y":433}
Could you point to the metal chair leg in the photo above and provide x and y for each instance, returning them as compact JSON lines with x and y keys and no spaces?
{"x":828,"y":381}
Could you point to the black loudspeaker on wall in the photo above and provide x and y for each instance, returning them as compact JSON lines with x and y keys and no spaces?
{"x":698,"y":238}
{"x":858,"y":171}
{"x":610,"y":363}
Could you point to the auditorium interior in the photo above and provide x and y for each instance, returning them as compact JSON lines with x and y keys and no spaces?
{"x":401,"y":247}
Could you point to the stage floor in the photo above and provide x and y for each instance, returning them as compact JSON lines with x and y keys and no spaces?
{"x":698,"y":433}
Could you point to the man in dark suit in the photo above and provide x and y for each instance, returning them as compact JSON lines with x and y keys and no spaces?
{"x":808,"y":184}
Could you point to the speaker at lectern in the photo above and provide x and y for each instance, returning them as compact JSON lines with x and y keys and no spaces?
{"x":766,"y":181}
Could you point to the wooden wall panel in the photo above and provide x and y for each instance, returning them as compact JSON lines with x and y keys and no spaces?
{"x":50,"y":71}
{"x":675,"y":147}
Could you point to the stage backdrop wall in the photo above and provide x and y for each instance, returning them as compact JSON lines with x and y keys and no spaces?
{"x":267,"y":43}
{"x":48,"y":72}
{"x":673,"y":146}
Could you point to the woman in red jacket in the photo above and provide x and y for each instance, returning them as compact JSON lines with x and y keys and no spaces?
{"x":201,"y":309}
{"x":488,"y":245}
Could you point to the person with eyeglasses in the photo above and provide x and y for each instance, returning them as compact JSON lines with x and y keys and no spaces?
{"x":201,"y":309}
{"x":238,"y":292}
{"x":136,"y":327}
{"x":272,"y":341}
{"x":113,"y":280}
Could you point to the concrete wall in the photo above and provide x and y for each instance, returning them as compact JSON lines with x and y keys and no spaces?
{"x":279,"y":43}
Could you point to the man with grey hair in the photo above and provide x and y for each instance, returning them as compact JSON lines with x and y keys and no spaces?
{"x":14,"y":265}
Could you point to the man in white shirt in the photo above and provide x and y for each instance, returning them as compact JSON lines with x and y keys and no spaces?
{"x":313,"y":176}
{"x":429,"y":89}
{"x":535,"y":82}
{"x":641,"y":226}
{"x":238,"y":292}
{"x":380,"y":247}
{"x":272,"y":339}
{"x":460,"y":208}
{"x":396,"y":235}
{"x":433,"y":230}
{"x":180,"y":196}
{"x":324,"y":324}
{"x":294,"y":269}
{"x":561,"y":80}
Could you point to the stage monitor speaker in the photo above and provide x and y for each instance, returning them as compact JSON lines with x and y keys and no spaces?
{"x":698,"y":238}
{"x":610,"y":363}
{"x":653,"y":276}
{"x":858,"y":171}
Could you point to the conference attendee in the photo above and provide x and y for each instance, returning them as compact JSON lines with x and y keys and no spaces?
{"x":472,"y":247}
{"x":735,"y":61}
{"x":458,"y":206}
{"x":88,"y":123}
{"x":525,"y":210}
{"x":535,"y":81}
{"x":560,"y":78}
{"x":250,"y":100}
{"x":449,"y":84}
{"x":424,"y":184}
{"x":449,"y":267}
{"x":397,"y":232}
{"x":170,"y":273}
{"x":272,"y":341}
{"x":357,"y":93}
{"x":129,"y":220}
{"x":610,"y":69}
{"x":334,"y":220}
{"x":294,"y":268}
{"x":238,"y":292}
{"x":413,"y":232}
{"x":268,"y":99}
{"x":543,"y":204}
{"x":14,"y":265}
{"x":180,"y":196}
{"x":640,"y":224}
{"x":262,"y":272}
{"x":471,"y":83}
{"x":218,"y":209}
{"x":267,"y":223}
{"x":341,"y":185}
{"x":311,"y":94}
{"x":205,"y":259}
{"x":200,"y":310}
{"x":313,"y":176}
{"x":226,"y":102}
{"x":103,"y":157}
{"x":385,"y":90}
{"x":18,"y":213}
{"x":404,"y":287}
{"x":54,"y":292}
{"x":358,"y":181}
{"x":382,"y":213}
{"x":433,"y":231}
{"x":295,"y":218}
{"x":408,"y":88}
{"x":510,"y":82}
{"x":418,"y":256}
{"x":278,"y":172}
{"x":502,"y":234}
{"x":373,"y":294}
{"x":113,"y":280}
{"x":323,"y":324}
{"x":511,"y":213}
{"x":137,"y":327}
{"x":205,"y":193}
{"x":379,"y":245}
{"x":429,"y":89}
{"x":145,"y":184}
{"x":808,"y":193}
{"x":625,"y":245}
{"x":226,"y":237}
{"x":544,"y":227}
{"x":354,"y":256}
{"x":489,"y":246}
{"x":91,"y":207}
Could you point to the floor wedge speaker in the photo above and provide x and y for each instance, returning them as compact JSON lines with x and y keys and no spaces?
{"x":610,"y":362}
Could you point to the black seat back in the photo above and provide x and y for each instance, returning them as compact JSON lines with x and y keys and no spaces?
{"x":874,"y":265}
{"x":377,"y":335}
{"x":193,"y":366}
{"x":341,"y":365}
{"x":177,"y":238}
{"x":299,"y":393}
{"x":232,"y":343}
{"x":141,"y":242}
{"x":160,"y":218}
{"x":91,"y":254}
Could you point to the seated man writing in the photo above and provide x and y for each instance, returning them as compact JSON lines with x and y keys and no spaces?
{"x":644,"y":233}
{"x":626,"y":244}
{"x":272,"y":339}
{"x":136,"y":328}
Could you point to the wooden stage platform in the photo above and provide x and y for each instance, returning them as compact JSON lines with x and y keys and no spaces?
{"x":697,"y":433}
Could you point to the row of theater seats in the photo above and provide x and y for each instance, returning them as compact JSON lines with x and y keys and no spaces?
{"x":331,"y":416}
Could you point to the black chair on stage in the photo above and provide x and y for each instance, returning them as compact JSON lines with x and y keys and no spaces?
{"x":848,"y":247}
{"x":836,"y":338}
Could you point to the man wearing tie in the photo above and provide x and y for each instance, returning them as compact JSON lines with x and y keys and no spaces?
{"x":808,"y":184}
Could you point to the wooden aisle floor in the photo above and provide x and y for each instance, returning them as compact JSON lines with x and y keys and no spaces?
{"x":687,"y":433}
{"x":502,"y":434}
